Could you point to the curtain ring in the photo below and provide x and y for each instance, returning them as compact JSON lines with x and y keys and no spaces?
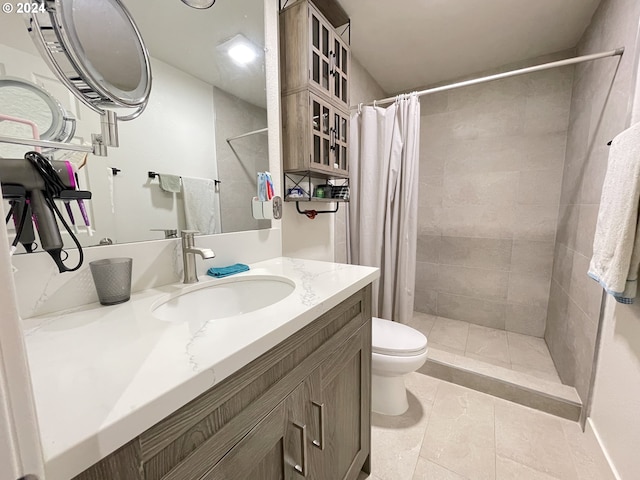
{"x":360,"y":108}
{"x":375,"y":103}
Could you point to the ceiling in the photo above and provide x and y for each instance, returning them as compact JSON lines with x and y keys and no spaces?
{"x":410,"y":44}
{"x":187,"y":38}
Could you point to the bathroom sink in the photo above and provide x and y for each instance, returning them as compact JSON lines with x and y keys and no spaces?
{"x":223,"y":299}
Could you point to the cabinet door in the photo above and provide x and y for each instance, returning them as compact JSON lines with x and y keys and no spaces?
{"x":321,"y":134}
{"x":341,"y":406}
{"x":340,"y":70}
{"x":320,"y":52}
{"x":275,"y":449}
{"x":340,"y":140}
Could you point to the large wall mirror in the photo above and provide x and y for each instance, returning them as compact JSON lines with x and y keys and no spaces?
{"x":208,"y":71}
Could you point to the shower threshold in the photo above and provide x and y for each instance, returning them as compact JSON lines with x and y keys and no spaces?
{"x":508,"y":365}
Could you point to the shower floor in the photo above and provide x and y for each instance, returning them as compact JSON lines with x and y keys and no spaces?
{"x":505,"y":364}
{"x":521,"y":353}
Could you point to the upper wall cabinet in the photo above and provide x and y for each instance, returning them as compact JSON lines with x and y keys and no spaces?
{"x":313,"y":54}
{"x":314,"y":71}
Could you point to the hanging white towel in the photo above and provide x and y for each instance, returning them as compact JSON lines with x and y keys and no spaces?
{"x":200,"y":205}
{"x":170,"y":183}
{"x":616,"y":245}
{"x":111,"y":190}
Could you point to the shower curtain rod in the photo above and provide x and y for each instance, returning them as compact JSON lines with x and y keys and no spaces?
{"x":247,"y":134}
{"x":512,"y":73}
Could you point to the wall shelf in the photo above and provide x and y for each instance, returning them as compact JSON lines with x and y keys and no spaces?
{"x":307,"y":184}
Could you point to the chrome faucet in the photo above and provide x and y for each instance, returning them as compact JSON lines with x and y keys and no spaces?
{"x":189,"y":252}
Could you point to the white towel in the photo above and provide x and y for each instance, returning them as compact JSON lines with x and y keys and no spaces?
{"x":616,"y":245}
{"x":170,"y":183}
{"x":200,"y":204}
{"x":111,"y":189}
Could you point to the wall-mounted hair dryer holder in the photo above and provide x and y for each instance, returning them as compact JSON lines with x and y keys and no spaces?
{"x":23,"y":185}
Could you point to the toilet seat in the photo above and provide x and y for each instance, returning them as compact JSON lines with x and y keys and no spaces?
{"x":396,"y":339}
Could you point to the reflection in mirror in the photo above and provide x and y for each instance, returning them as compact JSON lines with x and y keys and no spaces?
{"x":29,"y":111}
{"x":200,"y":98}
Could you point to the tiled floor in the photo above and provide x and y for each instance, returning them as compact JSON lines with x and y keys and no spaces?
{"x":521,"y":353}
{"x":453,"y":433}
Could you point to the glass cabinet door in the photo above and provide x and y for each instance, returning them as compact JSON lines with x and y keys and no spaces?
{"x":321,"y":133}
{"x":340,"y":65}
{"x":340,"y":140}
{"x":321,"y":58}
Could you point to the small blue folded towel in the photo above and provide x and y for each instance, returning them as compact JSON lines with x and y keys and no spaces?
{"x":226,"y":271}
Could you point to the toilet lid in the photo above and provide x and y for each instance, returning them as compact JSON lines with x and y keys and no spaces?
{"x":393,"y":338}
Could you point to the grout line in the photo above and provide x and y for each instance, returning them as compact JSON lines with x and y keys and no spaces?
{"x":426,"y":426}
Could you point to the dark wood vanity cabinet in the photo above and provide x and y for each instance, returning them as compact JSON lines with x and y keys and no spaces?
{"x":300,"y":411}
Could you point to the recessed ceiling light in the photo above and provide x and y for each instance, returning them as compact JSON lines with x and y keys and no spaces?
{"x":242,"y":54}
{"x":241,"y":50}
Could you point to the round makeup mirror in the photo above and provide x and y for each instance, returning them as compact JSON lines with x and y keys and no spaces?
{"x":96,"y":50}
{"x":25,"y":105}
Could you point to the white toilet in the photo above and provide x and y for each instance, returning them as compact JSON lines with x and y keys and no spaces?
{"x":396,"y":350}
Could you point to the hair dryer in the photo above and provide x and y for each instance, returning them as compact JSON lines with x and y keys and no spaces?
{"x":39,"y":194}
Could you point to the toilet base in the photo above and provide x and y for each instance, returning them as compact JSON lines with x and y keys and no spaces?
{"x":389,"y":395}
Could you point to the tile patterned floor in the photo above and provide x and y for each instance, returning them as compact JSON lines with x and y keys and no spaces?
{"x":521,"y":353}
{"x":453,"y":433}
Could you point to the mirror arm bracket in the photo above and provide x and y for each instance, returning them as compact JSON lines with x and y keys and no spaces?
{"x":97,"y":148}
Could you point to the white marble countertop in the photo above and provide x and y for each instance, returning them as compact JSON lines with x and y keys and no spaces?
{"x":103,"y":375}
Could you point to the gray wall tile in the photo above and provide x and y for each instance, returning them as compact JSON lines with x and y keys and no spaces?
{"x":526,"y":319}
{"x":428,"y":248}
{"x":580,"y":340}
{"x":497,"y":150}
{"x":539,"y":187}
{"x":488,"y":221}
{"x":526,"y":289}
{"x":425,"y":301}
{"x":586,"y":229}
{"x":585,"y":291}
{"x":535,"y":222}
{"x":562,"y":266}
{"x":568,"y":225}
{"x":492,"y":253}
{"x":531,"y":257}
{"x":473,"y":282}
{"x":493,"y":188}
{"x":473,"y":310}
{"x":430,"y":205}
{"x":426,"y":276}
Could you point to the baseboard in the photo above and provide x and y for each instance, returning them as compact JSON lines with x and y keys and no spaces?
{"x":593,"y":431}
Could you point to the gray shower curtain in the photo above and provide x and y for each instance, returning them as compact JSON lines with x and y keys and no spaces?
{"x":384,"y":153}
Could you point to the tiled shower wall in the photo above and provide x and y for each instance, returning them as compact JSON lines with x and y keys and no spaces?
{"x":598,"y":113}
{"x":491,"y":163}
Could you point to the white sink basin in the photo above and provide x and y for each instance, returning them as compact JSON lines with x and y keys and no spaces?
{"x":223,"y":299}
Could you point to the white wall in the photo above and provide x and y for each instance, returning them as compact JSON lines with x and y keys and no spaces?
{"x":174,"y":135}
{"x":615,"y":408}
{"x":615,"y":412}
